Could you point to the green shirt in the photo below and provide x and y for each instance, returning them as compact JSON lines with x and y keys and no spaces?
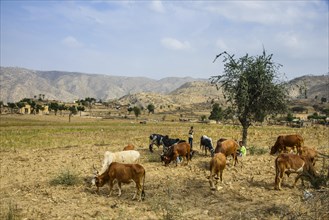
{"x":243,"y":151}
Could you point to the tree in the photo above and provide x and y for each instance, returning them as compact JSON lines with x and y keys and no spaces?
{"x":323,"y":100}
{"x":137,"y":111}
{"x":73,"y":111}
{"x":216,"y":113}
{"x":80,"y":109}
{"x":54,"y":106}
{"x":250,"y":84}
{"x":150,"y":108}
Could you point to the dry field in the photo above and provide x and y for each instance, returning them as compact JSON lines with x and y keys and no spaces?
{"x":40,"y":154}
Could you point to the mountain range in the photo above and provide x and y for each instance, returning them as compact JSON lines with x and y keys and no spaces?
{"x":18,"y":83}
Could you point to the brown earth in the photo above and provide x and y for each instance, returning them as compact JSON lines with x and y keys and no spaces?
{"x":181,"y":192}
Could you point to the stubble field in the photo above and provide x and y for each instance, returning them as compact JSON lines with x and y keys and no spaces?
{"x":37,"y":152}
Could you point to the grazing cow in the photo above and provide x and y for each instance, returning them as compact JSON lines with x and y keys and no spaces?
{"x":292,"y":163}
{"x":228,"y":147}
{"x":284,"y":141}
{"x":167,"y":142}
{"x":129,"y":147}
{"x":311,"y":153}
{"x":129,"y":156}
{"x":182,"y":149}
{"x":206,"y":143}
{"x":122,"y":173}
{"x":155,"y":139}
{"x":217,"y":165}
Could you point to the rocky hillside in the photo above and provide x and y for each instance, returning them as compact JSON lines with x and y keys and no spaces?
{"x":19,"y":83}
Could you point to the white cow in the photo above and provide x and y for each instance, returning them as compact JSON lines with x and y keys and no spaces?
{"x":128,"y":156}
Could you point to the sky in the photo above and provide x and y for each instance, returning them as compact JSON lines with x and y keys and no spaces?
{"x":158,"y":39}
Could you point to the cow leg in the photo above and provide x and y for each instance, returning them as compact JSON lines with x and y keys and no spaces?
{"x":111,"y":187}
{"x":151,"y":148}
{"x":297,"y":178}
{"x":119,"y":185}
{"x":221,"y":175}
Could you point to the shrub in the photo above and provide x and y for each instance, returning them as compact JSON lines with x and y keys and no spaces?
{"x":66,"y":178}
{"x":253,"y":150}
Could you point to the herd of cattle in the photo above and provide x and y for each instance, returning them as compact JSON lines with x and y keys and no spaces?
{"x":122,"y":167}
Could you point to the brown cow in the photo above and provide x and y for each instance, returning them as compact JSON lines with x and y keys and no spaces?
{"x":284,"y":141}
{"x":311,"y":153}
{"x":181,"y":149}
{"x":122,"y":173}
{"x":129,"y":147}
{"x":292,"y":163}
{"x":217,"y":165}
{"x":228,"y":147}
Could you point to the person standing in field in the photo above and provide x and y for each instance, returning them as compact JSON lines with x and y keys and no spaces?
{"x":190,"y":137}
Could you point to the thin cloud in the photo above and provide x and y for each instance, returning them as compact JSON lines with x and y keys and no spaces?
{"x":71,"y":42}
{"x":157,"y":6}
{"x":174,"y":44}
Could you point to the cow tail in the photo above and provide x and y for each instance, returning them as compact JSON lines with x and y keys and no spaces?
{"x":143,"y":192}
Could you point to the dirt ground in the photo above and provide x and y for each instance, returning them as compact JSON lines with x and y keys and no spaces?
{"x":180,"y":192}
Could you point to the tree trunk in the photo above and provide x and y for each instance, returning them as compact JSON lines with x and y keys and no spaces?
{"x":244,"y":134}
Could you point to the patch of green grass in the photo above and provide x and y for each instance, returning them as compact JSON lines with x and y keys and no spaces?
{"x":253,"y":150}
{"x":66,"y":178}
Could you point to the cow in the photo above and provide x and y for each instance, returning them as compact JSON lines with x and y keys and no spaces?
{"x":228,"y":147}
{"x":122,"y":173}
{"x":284,"y":141}
{"x":182,"y":149}
{"x":311,"y":153}
{"x":129,"y":147}
{"x":129,"y":156}
{"x":292,"y":163}
{"x":155,"y":139}
{"x":206,"y":143}
{"x":167,"y":142}
{"x":217,"y":165}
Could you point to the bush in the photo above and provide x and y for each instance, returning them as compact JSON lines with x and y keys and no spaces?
{"x":253,"y":150}
{"x":66,"y":178}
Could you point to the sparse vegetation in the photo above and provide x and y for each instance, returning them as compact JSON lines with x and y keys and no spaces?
{"x":66,"y":178}
{"x":49,"y":148}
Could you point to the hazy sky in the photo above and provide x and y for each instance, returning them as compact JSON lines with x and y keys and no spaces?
{"x":158,"y":39}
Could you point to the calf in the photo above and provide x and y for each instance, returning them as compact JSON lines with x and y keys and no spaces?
{"x":129,"y":156}
{"x":206,"y":143}
{"x":129,"y":147}
{"x":292,"y":163}
{"x":284,"y":141}
{"x":181,"y":149}
{"x":217,"y":165}
{"x":122,"y":173}
{"x":228,"y":147}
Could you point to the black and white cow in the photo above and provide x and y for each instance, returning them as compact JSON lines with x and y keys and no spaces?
{"x":206,"y":142}
{"x":155,"y":139}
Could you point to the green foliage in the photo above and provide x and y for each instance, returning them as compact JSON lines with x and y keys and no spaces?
{"x":216,"y":113}
{"x":137,"y":111}
{"x":66,"y":178}
{"x":253,"y":150}
{"x":151,"y":108}
{"x":73,"y":110}
{"x":250,"y":84}
{"x":289,"y":117}
{"x":323,"y":100}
